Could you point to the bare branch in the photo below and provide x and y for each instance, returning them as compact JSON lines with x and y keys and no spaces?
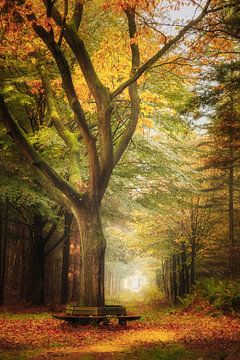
{"x":63,"y":22}
{"x":147,"y":65}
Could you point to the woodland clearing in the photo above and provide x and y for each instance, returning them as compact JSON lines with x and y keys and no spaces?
{"x":181,"y":334}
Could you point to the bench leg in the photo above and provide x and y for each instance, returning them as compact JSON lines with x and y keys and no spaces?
{"x":106,"y":322}
{"x":122,"y":322}
{"x":98,"y":322}
{"x":95,"y":322}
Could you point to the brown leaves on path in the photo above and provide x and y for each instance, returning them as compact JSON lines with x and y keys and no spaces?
{"x":52,"y":338}
{"x":204,"y":332}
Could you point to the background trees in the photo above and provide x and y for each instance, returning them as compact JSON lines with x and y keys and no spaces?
{"x":81,"y":192}
{"x":71,"y":107}
{"x":224,"y":135}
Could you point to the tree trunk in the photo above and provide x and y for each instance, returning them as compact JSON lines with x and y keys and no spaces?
{"x":232,"y":262}
{"x":65,"y":260}
{"x":38,"y":275}
{"x":93,"y":246}
{"x":180,"y":276}
{"x":174,"y":280}
{"x":166,"y":277}
{"x":24,"y":280}
{"x":159,"y":278}
{"x":183,"y":269}
{"x":187,"y":279}
{"x":38,"y":261}
{"x":192,"y":267}
{"x":3,"y":247}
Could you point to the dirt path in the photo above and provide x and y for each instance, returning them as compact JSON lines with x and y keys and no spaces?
{"x":159,"y":336}
{"x":118,"y":347}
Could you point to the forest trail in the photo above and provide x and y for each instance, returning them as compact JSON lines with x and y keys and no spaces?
{"x":117,"y":346}
{"x":174,"y":335}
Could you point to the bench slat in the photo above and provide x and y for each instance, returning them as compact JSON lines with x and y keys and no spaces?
{"x":100,"y":310}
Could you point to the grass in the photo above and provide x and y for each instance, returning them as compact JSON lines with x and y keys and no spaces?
{"x":169,"y":352}
{"x":24,"y":316}
{"x":20,"y":355}
{"x":160,"y":335}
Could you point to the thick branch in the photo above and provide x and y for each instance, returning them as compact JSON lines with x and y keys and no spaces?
{"x":133,"y":89}
{"x":63,"y":23}
{"x":74,"y":103}
{"x":99,"y":91}
{"x":106,"y":146}
{"x":50,"y":233}
{"x":147,"y":65}
{"x":58,"y":242}
{"x":53,"y":113}
{"x":18,"y":136}
{"x":77,"y":14}
{"x":77,"y":45}
{"x":67,"y":224}
{"x":70,"y":138}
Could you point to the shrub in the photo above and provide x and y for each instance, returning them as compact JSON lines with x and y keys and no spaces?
{"x":153,"y":296}
{"x":223,"y":295}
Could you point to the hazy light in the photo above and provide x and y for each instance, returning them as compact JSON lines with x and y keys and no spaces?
{"x":135,"y":282}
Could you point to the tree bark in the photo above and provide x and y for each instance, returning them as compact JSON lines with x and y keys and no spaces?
{"x":180,"y":276}
{"x":74,"y":263}
{"x":187,"y":279}
{"x":93,"y":246}
{"x":232,"y":265}
{"x":174,"y":280}
{"x":38,"y":275}
{"x":183,"y":269}
{"x":65,"y":260}
{"x":3,"y":247}
{"x":38,"y":261}
{"x":192,"y":266}
{"x":85,"y":205}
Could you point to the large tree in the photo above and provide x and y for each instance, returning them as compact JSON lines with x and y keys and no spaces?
{"x":103,"y":135}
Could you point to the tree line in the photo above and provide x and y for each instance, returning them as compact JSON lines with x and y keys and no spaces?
{"x":69,"y":109}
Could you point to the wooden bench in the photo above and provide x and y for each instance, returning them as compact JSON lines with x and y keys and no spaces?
{"x":96,"y":315}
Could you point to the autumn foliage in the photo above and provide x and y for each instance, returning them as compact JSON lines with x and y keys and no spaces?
{"x":47,"y":337}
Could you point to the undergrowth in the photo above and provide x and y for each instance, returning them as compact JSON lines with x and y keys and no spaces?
{"x":214,"y":296}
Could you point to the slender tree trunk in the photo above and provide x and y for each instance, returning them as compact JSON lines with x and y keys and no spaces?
{"x":164,"y":277}
{"x":24,"y":279}
{"x":158,"y":278}
{"x":3,"y":249}
{"x":180,"y":276}
{"x":167,"y":278}
{"x":1,"y":254}
{"x":187,"y":279}
{"x":183,"y":269}
{"x":38,"y":262}
{"x":65,"y":262}
{"x":192,"y":266}
{"x":178,"y":259}
{"x":231,"y":215}
{"x":38,"y":275}
{"x":93,"y":246}
{"x":174,"y":280}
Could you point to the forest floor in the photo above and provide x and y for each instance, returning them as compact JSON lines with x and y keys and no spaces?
{"x":165,"y":335}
